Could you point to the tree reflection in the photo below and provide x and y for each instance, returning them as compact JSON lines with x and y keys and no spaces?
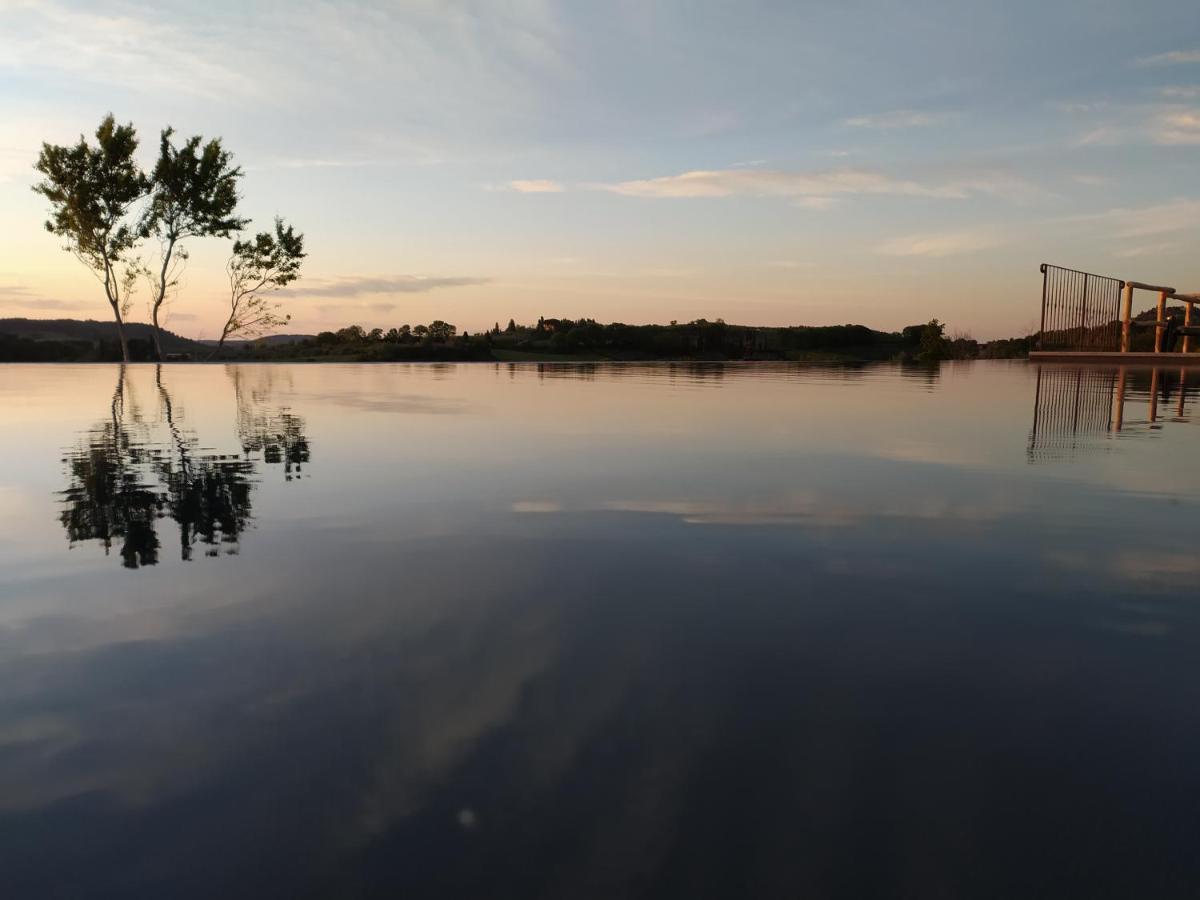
{"x":107,"y":499}
{"x":278,"y":434}
{"x":208,"y":495}
{"x":126,"y":474}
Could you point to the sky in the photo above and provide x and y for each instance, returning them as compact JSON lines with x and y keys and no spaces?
{"x":772,"y":163}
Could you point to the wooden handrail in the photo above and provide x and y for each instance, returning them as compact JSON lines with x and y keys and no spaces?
{"x":1150,"y":287}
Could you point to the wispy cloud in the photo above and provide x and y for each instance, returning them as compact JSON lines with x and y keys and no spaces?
{"x":144,"y":51}
{"x":18,"y":296}
{"x":1101,"y":136}
{"x":775,"y":183}
{"x":1180,"y":214}
{"x":39,"y":303}
{"x":1170,"y":58}
{"x":537,"y":506}
{"x":938,"y":245}
{"x":344,"y":310}
{"x":1162,"y":123}
{"x":356,"y":286}
{"x":1146,"y":250}
{"x":819,"y":204}
{"x":820,"y":190}
{"x":898,"y":118}
{"x":1181,"y":91}
{"x":1073,"y":107}
{"x":536,"y":186}
{"x":302,"y":163}
{"x":1179,"y":127}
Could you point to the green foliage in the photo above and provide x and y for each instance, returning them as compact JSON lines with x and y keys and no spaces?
{"x":934,"y":346}
{"x":92,"y":190}
{"x":194,"y":191}
{"x":258,"y":268}
{"x":269,"y":260}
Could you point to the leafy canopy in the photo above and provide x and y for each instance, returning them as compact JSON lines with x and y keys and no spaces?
{"x":91,"y":190}
{"x":267,"y":261}
{"x":194,"y":190}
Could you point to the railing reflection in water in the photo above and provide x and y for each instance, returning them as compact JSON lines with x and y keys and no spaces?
{"x":1076,"y":408}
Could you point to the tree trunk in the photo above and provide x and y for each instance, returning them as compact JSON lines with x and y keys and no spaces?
{"x":121,"y":333}
{"x":154,"y":330}
{"x":158,"y":301}
{"x":158,"y":354}
{"x":221,"y":342}
{"x":216,"y":349}
{"x":112,"y":292}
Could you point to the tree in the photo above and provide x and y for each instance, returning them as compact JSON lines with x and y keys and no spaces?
{"x":193,"y":194}
{"x":934,"y":345}
{"x":441,"y":331}
{"x":92,"y":190}
{"x":257,"y":269}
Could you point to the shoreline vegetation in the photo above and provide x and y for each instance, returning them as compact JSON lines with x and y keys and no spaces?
{"x":549,"y":340}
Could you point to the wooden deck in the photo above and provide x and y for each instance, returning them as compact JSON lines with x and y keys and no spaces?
{"x":1116,"y":358}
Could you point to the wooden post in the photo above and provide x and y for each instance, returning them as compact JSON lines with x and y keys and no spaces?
{"x":1126,"y":319}
{"x":1161,"y":325}
{"x":1187,"y":320}
{"x":1119,"y":403}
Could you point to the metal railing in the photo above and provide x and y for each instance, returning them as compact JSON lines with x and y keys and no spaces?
{"x":1080,"y":311}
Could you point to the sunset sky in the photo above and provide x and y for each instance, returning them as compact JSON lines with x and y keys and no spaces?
{"x":768,"y":163}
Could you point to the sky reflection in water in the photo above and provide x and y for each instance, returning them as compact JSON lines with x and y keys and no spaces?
{"x":584,"y":631}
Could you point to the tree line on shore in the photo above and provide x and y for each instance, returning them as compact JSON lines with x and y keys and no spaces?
{"x":106,"y":208}
{"x":588,"y":339}
{"x":548,"y":339}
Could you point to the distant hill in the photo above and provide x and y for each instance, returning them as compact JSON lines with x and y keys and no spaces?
{"x":269,"y":340}
{"x":93,"y":332}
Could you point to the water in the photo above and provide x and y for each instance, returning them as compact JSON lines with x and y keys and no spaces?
{"x":643,"y":631}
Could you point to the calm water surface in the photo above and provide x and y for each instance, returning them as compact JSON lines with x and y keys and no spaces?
{"x":598,"y":632}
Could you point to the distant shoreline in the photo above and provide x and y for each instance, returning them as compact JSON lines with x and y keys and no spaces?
{"x":548,"y":341}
